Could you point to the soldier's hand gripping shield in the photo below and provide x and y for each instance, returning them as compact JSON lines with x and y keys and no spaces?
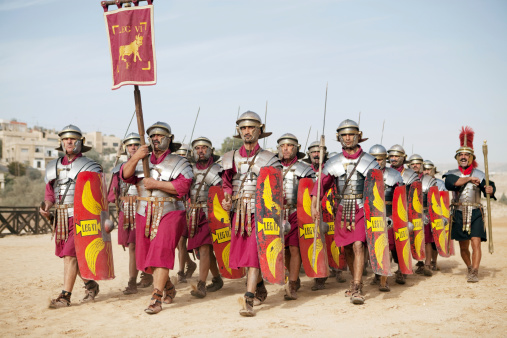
{"x":268,"y":224}
{"x":91,"y":216}
{"x":376,"y":228}
{"x":220,"y":226}
{"x":306,"y":229}
{"x":445,"y":205}
{"x":400,"y":228}
{"x":415,"y":214}
{"x":437,"y":223}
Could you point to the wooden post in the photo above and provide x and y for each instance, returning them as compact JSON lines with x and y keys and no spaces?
{"x":140,"y":126}
{"x":490,"y":226}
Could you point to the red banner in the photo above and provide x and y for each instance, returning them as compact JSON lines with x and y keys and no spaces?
{"x":132,"y":46}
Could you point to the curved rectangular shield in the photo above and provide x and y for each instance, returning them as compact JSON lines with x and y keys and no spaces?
{"x":400,"y":228}
{"x":445,"y":205}
{"x":93,"y":244}
{"x":268,"y":221}
{"x":437,"y":223}
{"x":220,"y":226}
{"x":335,"y":255}
{"x":415,"y":212}
{"x":375,"y":216}
{"x":306,"y":233}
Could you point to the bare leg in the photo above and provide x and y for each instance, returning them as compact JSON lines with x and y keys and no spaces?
{"x":70,"y":272}
{"x":160,"y":276}
{"x":204,"y":263}
{"x":465,"y":252}
{"x":132,"y":261}
{"x":213,"y":266}
{"x":476,"y":252}
{"x":287,"y":258}
{"x":254,"y":277}
{"x":358,"y":261}
{"x":349,"y":257}
{"x":429,"y":253}
{"x":182,"y":253}
{"x":294,"y":263}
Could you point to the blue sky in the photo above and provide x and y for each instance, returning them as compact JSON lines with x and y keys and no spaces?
{"x":425,"y":67}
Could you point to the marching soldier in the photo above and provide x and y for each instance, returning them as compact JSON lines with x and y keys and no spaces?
{"x":124,"y":196}
{"x":397,"y":158}
{"x":348,"y":171}
{"x":415,"y":162}
{"x":161,"y":216}
{"x":206,"y":174}
{"x":392,"y":179}
{"x":293,"y":171}
{"x":241,"y":169}
{"x":61,"y":175}
{"x":183,"y":256}
{"x":466,"y":183}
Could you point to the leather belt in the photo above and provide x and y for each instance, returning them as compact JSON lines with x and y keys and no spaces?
{"x":160,"y":199}
{"x":467,"y":204}
{"x":350,"y":197}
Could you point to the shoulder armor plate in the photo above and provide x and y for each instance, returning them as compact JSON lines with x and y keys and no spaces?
{"x":392,"y":177}
{"x":366,"y":163}
{"x":427,"y":181}
{"x":51,"y":172}
{"x":303,"y":169}
{"x":334,"y":166}
{"x":117,"y":168}
{"x":227,"y":160}
{"x":84,"y":163}
{"x":479,"y":174}
{"x":265,"y":159}
{"x":454,"y":172}
{"x":409,"y":176}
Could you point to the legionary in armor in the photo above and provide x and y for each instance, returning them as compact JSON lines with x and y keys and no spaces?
{"x":467,"y":215}
{"x":241,"y":169}
{"x":397,"y":158}
{"x":430,"y":169}
{"x":61,"y":175}
{"x":430,"y":264}
{"x":206,"y":174}
{"x":124,"y":196}
{"x":392,"y":179}
{"x":313,"y":157}
{"x":161,"y":215}
{"x":183,"y":256}
{"x":347,"y":171}
{"x":293,"y":171}
{"x":415,"y":162}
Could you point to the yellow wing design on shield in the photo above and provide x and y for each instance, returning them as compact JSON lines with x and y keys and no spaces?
{"x":380,"y":245}
{"x":92,"y":251}
{"x":219,"y":212}
{"x":267,"y":195}
{"x":417,"y":203}
{"x":89,"y":202}
{"x":307,"y":202}
{"x":274,"y":248}
{"x":377,"y":200}
{"x":225,"y":256}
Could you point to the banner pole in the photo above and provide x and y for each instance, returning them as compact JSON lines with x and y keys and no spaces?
{"x":140,"y":126}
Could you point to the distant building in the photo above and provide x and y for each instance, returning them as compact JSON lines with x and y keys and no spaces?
{"x":35,"y":147}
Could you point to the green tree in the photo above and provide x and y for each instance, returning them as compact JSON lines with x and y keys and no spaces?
{"x":228,"y":145}
{"x":22,"y":191}
{"x":16,"y":168}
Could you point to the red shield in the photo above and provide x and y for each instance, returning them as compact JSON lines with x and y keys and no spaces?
{"x":445,"y":205}
{"x":400,"y":228}
{"x":93,"y":244}
{"x":220,"y":226}
{"x":375,"y":216}
{"x":306,"y":234}
{"x":268,"y":221}
{"x":437,"y":223}
{"x":335,"y":255}
{"x":415,"y":210}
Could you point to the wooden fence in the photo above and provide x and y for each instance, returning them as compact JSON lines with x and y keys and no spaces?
{"x":27,"y":220}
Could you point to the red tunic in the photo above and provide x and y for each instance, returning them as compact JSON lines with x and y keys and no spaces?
{"x":160,"y":252}
{"x":62,"y":248}
{"x":243,"y":248}
{"x":125,"y":236}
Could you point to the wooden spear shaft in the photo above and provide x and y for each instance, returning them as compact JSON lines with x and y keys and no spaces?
{"x":140,"y":126}
{"x":488,"y":200}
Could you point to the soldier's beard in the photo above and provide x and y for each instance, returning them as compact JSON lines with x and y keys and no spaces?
{"x":463,"y":163}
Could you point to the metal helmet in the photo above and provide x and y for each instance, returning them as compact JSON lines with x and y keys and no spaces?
{"x":162,"y":128}
{"x":289,"y":138}
{"x":380,"y":153}
{"x":415,"y":158}
{"x":314,"y":146}
{"x":397,"y":150}
{"x":466,"y":138}
{"x":184,"y":151}
{"x":250,"y":118}
{"x":203,"y":141}
{"x":429,"y":165}
{"x":72,"y":131}
{"x":349,"y":127}
{"x":132,"y":138}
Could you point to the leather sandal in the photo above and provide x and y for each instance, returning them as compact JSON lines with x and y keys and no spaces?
{"x":131,"y":287}
{"x":63,"y":300}
{"x":357,"y":296}
{"x":200,"y":290}
{"x":155,"y":303}
{"x":92,"y":290}
{"x":247,"y":310}
{"x":216,"y":284}
{"x":169,"y":292}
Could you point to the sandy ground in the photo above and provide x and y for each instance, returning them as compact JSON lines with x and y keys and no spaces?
{"x":444,"y":304}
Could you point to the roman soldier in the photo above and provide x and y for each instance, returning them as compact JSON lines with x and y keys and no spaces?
{"x":161,"y":216}
{"x":313,"y":157}
{"x":293,"y":171}
{"x":206,"y":174}
{"x":124,"y":196}
{"x":392,"y":179}
{"x":61,"y":175}
{"x":430,"y":170}
{"x":347,"y":171}
{"x":241,"y":169}
{"x":183,"y":256}
{"x":415,"y":162}
{"x":467,"y":215}
{"x":397,"y":158}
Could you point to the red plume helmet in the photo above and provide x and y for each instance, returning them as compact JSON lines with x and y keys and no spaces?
{"x":466,"y":140}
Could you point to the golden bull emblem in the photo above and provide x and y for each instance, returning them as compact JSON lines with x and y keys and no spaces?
{"x":133,"y":47}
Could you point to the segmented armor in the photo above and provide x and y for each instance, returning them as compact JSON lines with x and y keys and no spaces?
{"x":392,"y":179}
{"x":126,"y":199}
{"x":203,"y":180}
{"x":468,"y":198}
{"x":244,"y":181}
{"x":409,"y":176}
{"x":160,"y":202}
{"x":64,"y":185}
{"x":348,"y":195}
{"x":441,"y":185}
{"x":291,"y":176}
